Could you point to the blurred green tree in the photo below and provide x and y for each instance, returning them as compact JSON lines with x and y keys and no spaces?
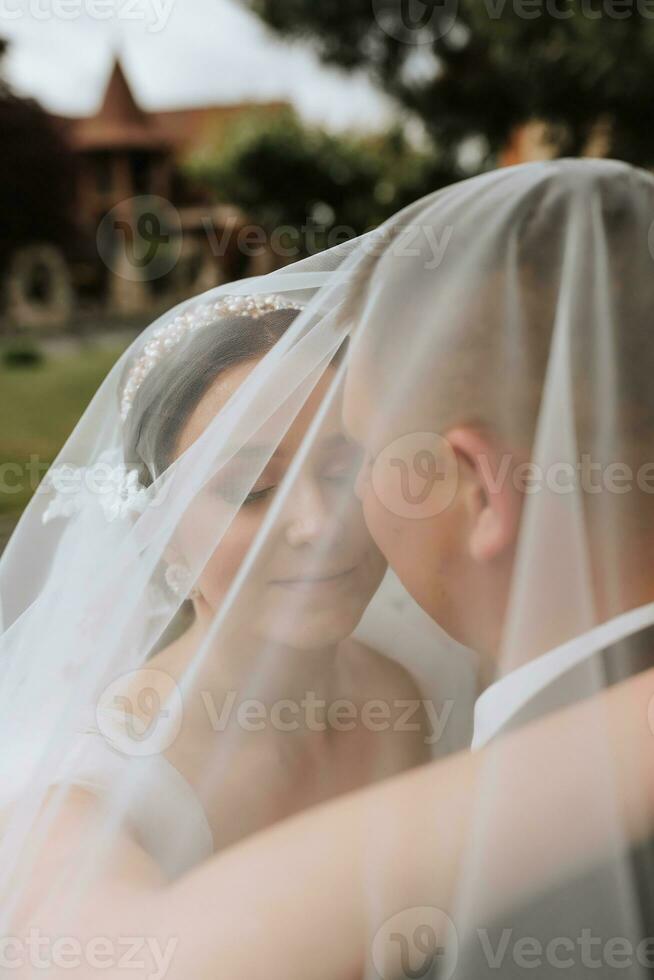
{"x":474,"y":70}
{"x":325,"y":187}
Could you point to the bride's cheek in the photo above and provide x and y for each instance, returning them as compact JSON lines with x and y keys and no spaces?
{"x":215,"y":539}
{"x":228,"y":556}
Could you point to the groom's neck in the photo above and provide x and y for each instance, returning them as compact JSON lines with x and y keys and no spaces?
{"x":530,"y":635}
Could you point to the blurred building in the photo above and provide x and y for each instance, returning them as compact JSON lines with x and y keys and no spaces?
{"x":130,"y":192}
{"x":533,"y":141}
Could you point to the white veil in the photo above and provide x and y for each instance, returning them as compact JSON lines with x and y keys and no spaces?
{"x":510,"y":320}
{"x":464,"y":393}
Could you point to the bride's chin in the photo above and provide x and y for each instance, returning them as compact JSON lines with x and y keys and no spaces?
{"x":313,"y":630}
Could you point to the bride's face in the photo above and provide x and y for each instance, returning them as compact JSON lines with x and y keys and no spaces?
{"x":319,"y":567}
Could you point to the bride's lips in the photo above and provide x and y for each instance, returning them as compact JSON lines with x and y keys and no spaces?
{"x":315,"y":582}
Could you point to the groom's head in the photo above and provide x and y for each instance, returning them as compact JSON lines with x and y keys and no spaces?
{"x":517,"y":372}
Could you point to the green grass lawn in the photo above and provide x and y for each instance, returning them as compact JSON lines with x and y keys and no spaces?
{"x":39,"y":408}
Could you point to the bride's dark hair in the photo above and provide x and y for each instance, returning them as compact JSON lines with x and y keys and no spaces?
{"x":171,"y":392}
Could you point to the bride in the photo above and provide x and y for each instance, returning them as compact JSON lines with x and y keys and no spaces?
{"x":271,"y":769}
{"x":280,"y":762}
{"x":501,"y":396}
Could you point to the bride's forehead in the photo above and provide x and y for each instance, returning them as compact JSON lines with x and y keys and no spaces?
{"x":282,"y":426}
{"x":320,"y":401}
{"x":213,"y":401}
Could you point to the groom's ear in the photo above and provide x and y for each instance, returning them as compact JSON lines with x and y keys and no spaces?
{"x":492,"y":502}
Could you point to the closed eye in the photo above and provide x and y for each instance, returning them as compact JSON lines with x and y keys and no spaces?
{"x":258,"y":495}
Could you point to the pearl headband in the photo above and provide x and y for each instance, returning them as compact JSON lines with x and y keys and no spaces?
{"x":166,"y":337}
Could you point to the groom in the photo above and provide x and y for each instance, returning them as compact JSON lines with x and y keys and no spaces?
{"x":552,"y":586}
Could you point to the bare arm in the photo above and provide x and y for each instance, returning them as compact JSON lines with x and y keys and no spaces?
{"x":294,"y":901}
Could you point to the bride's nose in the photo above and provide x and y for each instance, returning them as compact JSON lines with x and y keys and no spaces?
{"x":308,"y":515}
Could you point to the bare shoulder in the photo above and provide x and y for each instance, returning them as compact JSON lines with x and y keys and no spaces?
{"x":392,"y":707}
{"x":119,"y":895}
{"x":370,"y":673}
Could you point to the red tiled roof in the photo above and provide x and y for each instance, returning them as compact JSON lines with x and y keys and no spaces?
{"x":189,"y":128}
{"x":121,"y":123}
{"x":118,"y":122}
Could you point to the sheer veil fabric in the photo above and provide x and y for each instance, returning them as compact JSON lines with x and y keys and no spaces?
{"x":446,"y":425}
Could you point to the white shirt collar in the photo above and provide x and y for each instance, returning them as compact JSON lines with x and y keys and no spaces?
{"x":499,"y":702}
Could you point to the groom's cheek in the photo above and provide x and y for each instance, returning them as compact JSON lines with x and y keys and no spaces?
{"x":384,"y":527}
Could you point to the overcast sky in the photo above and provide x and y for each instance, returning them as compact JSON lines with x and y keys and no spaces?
{"x":176,"y":53}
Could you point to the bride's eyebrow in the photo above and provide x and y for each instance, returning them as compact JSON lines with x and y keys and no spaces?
{"x":336,"y":440}
{"x":245,"y":453}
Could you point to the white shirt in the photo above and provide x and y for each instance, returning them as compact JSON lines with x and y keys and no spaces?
{"x":499,"y":702}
